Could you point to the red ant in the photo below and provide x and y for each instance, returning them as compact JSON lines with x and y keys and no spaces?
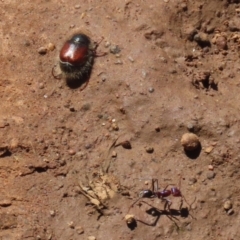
{"x":156,"y":193}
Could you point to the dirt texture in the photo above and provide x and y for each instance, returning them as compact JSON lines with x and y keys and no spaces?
{"x":74,"y":160}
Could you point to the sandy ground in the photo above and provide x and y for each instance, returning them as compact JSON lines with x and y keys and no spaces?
{"x":62,"y":174}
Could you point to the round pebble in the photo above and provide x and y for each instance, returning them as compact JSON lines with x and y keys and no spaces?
{"x":5,"y":203}
{"x":149,"y":149}
{"x":62,"y":162}
{"x":221,"y":43}
{"x":91,"y":238}
{"x":201,"y":38}
{"x":42,"y":50}
{"x":151,"y":89}
{"x":129,"y":218}
{"x":114,"y":154}
{"x":211,"y":175}
{"x":88,"y":145}
{"x":52,"y":213}
{"x":77,"y":6}
{"x":227,"y":205}
{"x":126,"y":145}
{"x":190,"y":141}
{"x":51,"y":47}
{"x":71,"y":152}
{"x":210,"y":167}
{"x":114,"y":49}
{"x":26,"y":43}
{"x":80,"y":230}
{"x":71,"y":224}
{"x":190,"y":127}
{"x":115,"y":127}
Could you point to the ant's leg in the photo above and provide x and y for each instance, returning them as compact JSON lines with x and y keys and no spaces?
{"x":171,"y":218}
{"x":97,"y":43}
{"x":100,"y":54}
{"x":168,"y":203}
{"x":181,"y":204}
{"x":133,"y":204}
{"x":153,"y":180}
{"x":171,"y":184}
{"x":154,"y":186}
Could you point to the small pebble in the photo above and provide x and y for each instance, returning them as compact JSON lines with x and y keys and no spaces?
{"x":91,"y":238}
{"x":126,"y":145}
{"x":163,"y":59}
{"x":115,"y":127}
{"x":190,"y":141}
{"x":144,"y":73}
{"x":151,"y":89}
{"x":42,"y":50}
{"x":210,"y":167}
{"x":211,"y":175}
{"x":184,"y":6}
{"x":118,"y":62}
{"x":157,"y":129}
{"x":122,"y":110}
{"x":86,"y":107}
{"x":14,"y":143}
{"x":77,"y":190}
{"x":71,"y":152}
{"x":190,"y":127}
{"x":201,"y":38}
{"x":192,"y":181}
{"x":129,"y":218}
{"x":114,"y":49}
{"x":41,"y":85}
{"x":77,"y":6}
{"x":51,"y":47}
{"x":189,"y":227}
{"x":62,"y":162}
{"x":208,"y":149}
{"x":107,"y":44}
{"x":88,"y":146}
{"x":227,"y":205}
{"x":172,"y":71}
{"x":130,"y":59}
{"x":149,"y":149}
{"x":80,"y":230}
{"x":71,"y":224}
{"x":26,"y":43}
{"x":230,"y":211}
{"x":49,"y":237}
{"x":52,"y":213}
{"x":221,"y":43}
{"x":5,"y":203}
{"x":114,"y":154}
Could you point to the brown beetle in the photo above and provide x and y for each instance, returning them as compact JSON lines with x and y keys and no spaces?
{"x":76,"y":58}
